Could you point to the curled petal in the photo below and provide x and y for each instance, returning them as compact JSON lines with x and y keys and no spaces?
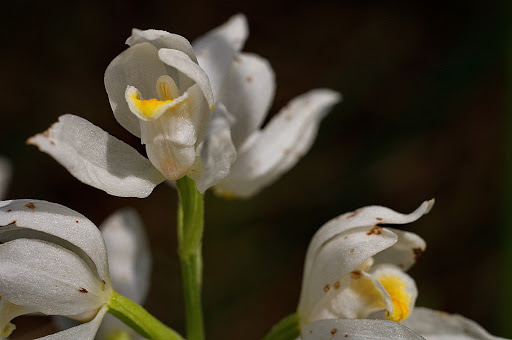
{"x":436,"y":325}
{"x":185,"y":66}
{"x":404,"y":252}
{"x":247,"y":93}
{"x":280,"y":145}
{"x":340,"y":329}
{"x":98,"y":159}
{"x":35,"y":219}
{"x":216,"y":49}
{"x":5,"y":176}
{"x":217,"y":153}
{"x":138,"y":66}
{"x":162,"y":39}
{"x":85,"y":331}
{"x":129,"y":256}
{"x":30,"y":277}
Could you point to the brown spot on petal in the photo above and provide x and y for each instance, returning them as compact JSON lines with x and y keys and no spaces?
{"x":30,"y":205}
{"x":345,"y":237}
{"x":46,"y":134}
{"x":248,"y":79}
{"x":375,"y":231}
{"x":354,"y":213}
{"x":378,"y":218}
{"x":355,"y":275}
{"x":346,"y":335}
{"x":336,"y":285}
{"x":326,"y":288}
{"x":333,"y":331}
{"x":77,"y":221}
{"x":83,"y":290}
{"x":417,"y":253}
{"x":52,"y":142}
{"x":351,"y":251}
{"x":9,"y":210}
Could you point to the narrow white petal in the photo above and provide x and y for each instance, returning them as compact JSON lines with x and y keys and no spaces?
{"x":56,"y":220}
{"x":162,"y":39}
{"x":186,"y":66}
{"x":217,"y":152}
{"x":50,"y":279}
{"x":247,"y":93}
{"x":85,"y":331}
{"x":98,"y":159}
{"x":337,"y":257}
{"x":129,"y":255}
{"x":285,"y":139}
{"x":339,"y":329}
{"x":216,"y":49}
{"x":137,"y":66}
{"x":437,"y":325}
{"x":404,"y":252}
{"x":5,"y":176}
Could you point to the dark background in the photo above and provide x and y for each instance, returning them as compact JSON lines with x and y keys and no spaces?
{"x":424,"y":115}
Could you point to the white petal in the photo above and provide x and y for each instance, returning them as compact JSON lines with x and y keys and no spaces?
{"x":98,"y":159}
{"x":336,"y":258}
{"x":129,"y":256}
{"x":162,"y":39}
{"x":110,"y":328}
{"x":182,"y":62}
{"x":216,"y":49}
{"x":404,"y":252}
{"x":84,"y":331}
{"x":285,"y":139}
{"x":217,"y":152}
{"x":338,"y":329}
{"x":345,"y":242}
{"x":247,"y":93}
{"x":56,"y":220}
{"x":50,"y":279}
{"x":138,"y":66}
{"x":5,"y":176}
{"x":436,"y":325}
{"x":354,"y":296}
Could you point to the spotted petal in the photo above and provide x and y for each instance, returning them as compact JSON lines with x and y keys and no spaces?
{"x":98,"y":159}
{"x":279,"y":146}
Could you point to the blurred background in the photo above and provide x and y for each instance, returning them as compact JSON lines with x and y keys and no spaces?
{"x":424,"y":115}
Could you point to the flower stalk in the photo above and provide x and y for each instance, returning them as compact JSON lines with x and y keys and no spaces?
{"x":190,"y":235}
{"x":139,"y":319}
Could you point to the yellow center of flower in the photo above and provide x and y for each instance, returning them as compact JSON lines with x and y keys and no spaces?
{"x":149,"y":107}
{"x":400,"y":297}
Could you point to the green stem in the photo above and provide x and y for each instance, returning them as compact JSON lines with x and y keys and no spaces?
{"x":286,"y":329}
{"x":139,"y":319}
{"x":190,"y":236}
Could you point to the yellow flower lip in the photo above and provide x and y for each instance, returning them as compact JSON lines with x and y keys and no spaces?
{"x":400,"y":297}
{"x":149,"y":108}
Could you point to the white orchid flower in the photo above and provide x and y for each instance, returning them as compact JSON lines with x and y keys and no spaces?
{"x":129,"y":259}
{"x":53,"y":261}
{"x":244,"y":85}
{"x":159,"y":93}
{"x":5,"y":176}
{"x":354,"y":269}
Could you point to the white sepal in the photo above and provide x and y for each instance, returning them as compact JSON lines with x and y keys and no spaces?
{"x":341,"y":329}
{"x":216,"y":49}
{"x":162,"y":39}
{"x":280,"y":145}
{"x":437,"y":325}
{"x":85,"y":331}
{"x":98,"y":159}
